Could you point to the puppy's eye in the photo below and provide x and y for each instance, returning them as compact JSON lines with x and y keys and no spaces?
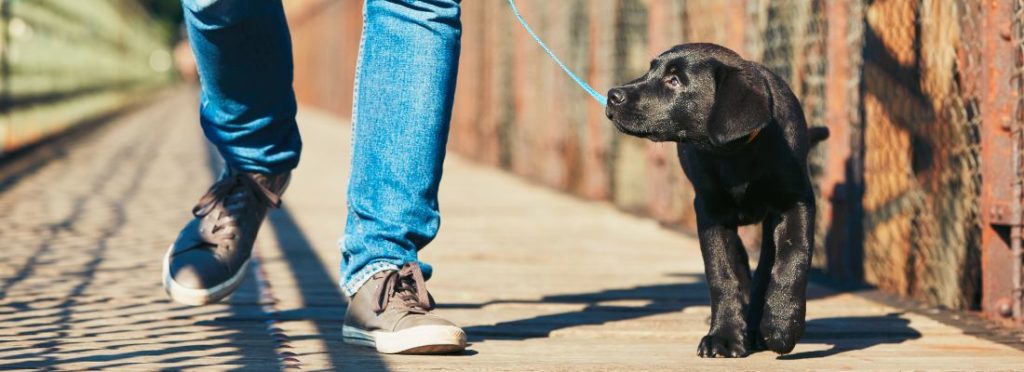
{"x":673,"y":81}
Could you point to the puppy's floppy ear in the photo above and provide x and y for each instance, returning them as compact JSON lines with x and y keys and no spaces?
{"x":742,"y":103}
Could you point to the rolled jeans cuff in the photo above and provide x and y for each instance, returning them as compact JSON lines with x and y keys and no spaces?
{"x":357,"y":280}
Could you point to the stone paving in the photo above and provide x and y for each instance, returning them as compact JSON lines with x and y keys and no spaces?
{"x":540,"y":280}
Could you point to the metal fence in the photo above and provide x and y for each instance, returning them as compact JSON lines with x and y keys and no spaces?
{"x":62,"y":61}
{"x":911,"y":90}
{"x":921,"y":150}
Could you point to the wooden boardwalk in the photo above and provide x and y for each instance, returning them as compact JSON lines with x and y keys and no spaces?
{"x":540,"y":280}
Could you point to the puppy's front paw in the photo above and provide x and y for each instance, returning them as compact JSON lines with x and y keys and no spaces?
{"x":781,"y":334}
{"x":723,"y":345}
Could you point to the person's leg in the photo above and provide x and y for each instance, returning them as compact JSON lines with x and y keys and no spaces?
{"x":247,"y":110}
{"x":247,"y":105}
{"x":405,"y":83}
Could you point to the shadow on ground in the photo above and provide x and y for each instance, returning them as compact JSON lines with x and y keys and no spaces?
{"x":843,"y":333}
{"x":659,"y":299}
{"x":854,"y":333}
{"x":53,"y":328}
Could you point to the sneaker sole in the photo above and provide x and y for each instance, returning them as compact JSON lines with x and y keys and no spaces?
{"x":197,"y":296}
{"x":427,"y":339}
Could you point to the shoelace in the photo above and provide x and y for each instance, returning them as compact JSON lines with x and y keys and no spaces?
{"x":408,"y":285}
{"x":231,"y":193}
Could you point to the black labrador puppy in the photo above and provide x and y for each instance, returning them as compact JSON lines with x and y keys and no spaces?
{"x":743,"y":142}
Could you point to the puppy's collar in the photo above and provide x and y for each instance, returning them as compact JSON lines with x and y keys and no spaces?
{"x":771,"y":103}
{"x":752,"y":136}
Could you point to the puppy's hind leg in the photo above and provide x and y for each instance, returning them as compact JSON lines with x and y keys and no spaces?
{"x":728,"y":279}
{"x":760,"y":283}
{"x":785,"y":306}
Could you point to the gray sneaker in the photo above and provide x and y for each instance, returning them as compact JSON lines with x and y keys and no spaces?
{"x":391,"y":313}
{"x":208,"y":260}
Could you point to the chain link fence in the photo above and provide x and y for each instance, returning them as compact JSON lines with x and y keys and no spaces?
{"x":921,"y":150}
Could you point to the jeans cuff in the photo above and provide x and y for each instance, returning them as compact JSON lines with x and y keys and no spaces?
{"x":357,"y":280}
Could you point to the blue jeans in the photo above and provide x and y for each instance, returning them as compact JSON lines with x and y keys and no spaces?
{"x":405,"y":82}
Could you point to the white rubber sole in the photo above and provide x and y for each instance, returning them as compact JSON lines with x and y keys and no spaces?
{"x":427,"y":339}
{"x":194,"y":296}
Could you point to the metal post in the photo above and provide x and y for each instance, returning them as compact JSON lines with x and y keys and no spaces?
{"x":1015,"y":231}
{"x":1018,"y":182}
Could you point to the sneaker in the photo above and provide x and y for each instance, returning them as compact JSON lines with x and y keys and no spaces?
{"x":391,"y":313}
{"x":208,"y":260}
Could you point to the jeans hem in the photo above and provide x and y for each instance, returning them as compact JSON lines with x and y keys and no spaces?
{"x":352,"y":285}
{"x":262,"y":169}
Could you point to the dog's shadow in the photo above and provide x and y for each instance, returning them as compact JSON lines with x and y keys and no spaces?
{"x":843,"y":333}
{"x":854,"y":333}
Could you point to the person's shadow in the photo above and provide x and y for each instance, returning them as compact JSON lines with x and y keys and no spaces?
{"x":655,"y":299}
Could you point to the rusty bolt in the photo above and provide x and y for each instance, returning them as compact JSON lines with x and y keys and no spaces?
{"x":997,"y":213}
{"x":1004,"y":307}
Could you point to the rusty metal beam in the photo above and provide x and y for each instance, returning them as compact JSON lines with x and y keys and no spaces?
{"x":999,"y":97}
{"x":1017,"y":127}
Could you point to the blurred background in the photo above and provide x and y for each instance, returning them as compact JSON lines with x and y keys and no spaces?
{"x":63,"y":62}
{"x":919,"y":184}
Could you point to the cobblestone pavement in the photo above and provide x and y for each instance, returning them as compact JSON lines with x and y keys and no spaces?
{"x":540,"y":280}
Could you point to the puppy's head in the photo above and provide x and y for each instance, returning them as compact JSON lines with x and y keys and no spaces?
{"x":702,"y":94}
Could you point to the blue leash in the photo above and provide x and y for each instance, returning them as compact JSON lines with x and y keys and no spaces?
{"x":593,"y":93}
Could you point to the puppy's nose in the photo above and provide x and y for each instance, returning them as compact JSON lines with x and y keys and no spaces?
{"x":616,"y":96}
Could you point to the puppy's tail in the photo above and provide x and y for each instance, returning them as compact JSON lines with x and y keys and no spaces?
{"x":817,"y":134}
